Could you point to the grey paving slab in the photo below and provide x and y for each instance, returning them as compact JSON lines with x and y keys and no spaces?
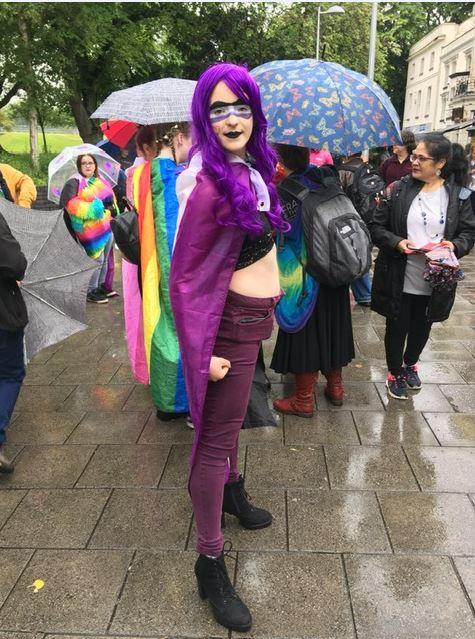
{"x":446,"y":352}
{"x":378,"y":428}
{"x":43,"y":427}
{"x":372,"y":351}
{"x":123,"y":375}
{"x":430,"y":523}
{"x":358,"y":396}
{"x":139,"y":399}
{"x":272,"y":538}
{"x":453,"y":429}
{"x":47,"y":398}
{"x":77,"y":355}
{"x":159,"y":432}
{"x":439,"y":333}
{"x":102,"y":427}
{"x":466,"y":370}
{"x":81,"y":588}
{"x":361,"y":370}
{"x":466,"y":569}
{"x":160,"y":599}
{"x":12,"y":563}
{"x":97,"y":397}
{"x":54,"y":519}
{"x":277,"y":468}
{"x":177,"y":467}
{"x":461,"y":397}
{"x":407,"y":597}
{"x":295,"y":596}
{"x":44,"y":355}
{"x":42,"y":374}
{"x":9,"y":500}
{"x":117,"y":353}
{"x":21,"y":635}
{"x":369,"y":468}
{"x":336,"y":522}
{"x":325,"y":427}
{"x":48,"y":467}
{"x":144,"y":519}
{"x":263,"y":434}
{"x":439,"y":373}
{"x":87,"y":373}
{"x":444,"y":469}
{"x":82,"y":338}
{"x":429,"y":398}
{"x":126,"y":465}
{"x":366,"y":334}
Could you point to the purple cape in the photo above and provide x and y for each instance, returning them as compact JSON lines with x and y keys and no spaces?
{"x":204,"y":259}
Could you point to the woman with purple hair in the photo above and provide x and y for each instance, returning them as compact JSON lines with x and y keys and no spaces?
{"x":224,"y":285}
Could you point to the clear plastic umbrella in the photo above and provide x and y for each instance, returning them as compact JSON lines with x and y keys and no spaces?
{"x":63,"y":166}
{"x":165,"y":100}
{"x":55,"y":283}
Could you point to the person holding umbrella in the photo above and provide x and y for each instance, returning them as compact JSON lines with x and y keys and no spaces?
{"x":89,"y":203}
{"x":13,"y":319}
{"x":224,"y":284}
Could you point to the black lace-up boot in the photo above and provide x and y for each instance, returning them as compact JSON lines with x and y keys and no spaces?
{"x":237,"y":502}
{"x":214,"y":584}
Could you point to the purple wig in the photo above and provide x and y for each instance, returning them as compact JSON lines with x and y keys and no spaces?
{"x":215,"y":161}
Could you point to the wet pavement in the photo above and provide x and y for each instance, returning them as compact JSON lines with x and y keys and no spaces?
{"x":374,"y":502}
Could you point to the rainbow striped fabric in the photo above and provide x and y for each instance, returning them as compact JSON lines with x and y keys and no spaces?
{"x":89,"y":218}
{"x":157,"y":204}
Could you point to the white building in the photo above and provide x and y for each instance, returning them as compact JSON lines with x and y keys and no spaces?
{"x":440,"y":89}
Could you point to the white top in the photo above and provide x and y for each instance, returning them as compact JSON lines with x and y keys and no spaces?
{"x":431,"y":207}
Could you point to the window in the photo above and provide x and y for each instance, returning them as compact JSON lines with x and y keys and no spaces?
{"x":431,"y":61}
{"x":413,"y":70}
{"x":468,"y":62}
{"x":428,"y":97}
{"x":443,"y":107}
{"x":446,"y":73}
{"x":418,"y":103}
{"x":421,"y":68}
{"x":453,"y":67}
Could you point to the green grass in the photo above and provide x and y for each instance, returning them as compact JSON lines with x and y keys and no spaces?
{"x":16,"y":152}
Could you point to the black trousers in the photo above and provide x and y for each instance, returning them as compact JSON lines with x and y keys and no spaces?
{"x":411,"y":325}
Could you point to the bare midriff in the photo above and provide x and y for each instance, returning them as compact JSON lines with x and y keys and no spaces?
{"x":260,"y":279}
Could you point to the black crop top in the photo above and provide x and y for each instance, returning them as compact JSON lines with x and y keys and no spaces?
{"x":254,"y":248}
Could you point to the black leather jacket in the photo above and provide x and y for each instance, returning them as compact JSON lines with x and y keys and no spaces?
{"x":13,"y":315}
{"x":389,"y":226}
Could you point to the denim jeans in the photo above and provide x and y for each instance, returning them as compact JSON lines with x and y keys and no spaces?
{"x":100,"y":272}
{"x":361,"y":289}
{"x":12,"y":372}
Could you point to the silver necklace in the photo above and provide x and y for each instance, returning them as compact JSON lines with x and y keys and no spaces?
{"x":425,"y":217}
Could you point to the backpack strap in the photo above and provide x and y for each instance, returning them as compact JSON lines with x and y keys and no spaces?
{"x":293,"y":188}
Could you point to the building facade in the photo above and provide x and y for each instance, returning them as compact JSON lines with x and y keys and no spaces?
{"x":440,"y":89}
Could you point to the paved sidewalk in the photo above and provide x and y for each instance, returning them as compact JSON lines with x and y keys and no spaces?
{"x":373,"y":503}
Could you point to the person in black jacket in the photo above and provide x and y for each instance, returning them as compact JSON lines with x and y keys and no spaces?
{"x":13,"y":319}
{"x":430,"y":206}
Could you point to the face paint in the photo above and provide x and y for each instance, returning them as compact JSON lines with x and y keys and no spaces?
{"x":221,"y":111}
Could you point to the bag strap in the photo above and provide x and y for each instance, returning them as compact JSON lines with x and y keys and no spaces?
{"x":294,"y":188}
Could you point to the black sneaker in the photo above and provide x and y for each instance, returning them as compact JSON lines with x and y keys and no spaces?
{"x":412,"y":378}
{"x":6,"y":465}
{"x":397,"y":387}
{"x":108,"y":292}
{"x":97,"y":297}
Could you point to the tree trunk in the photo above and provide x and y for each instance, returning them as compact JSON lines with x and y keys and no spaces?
{"x":88,"y":131}
{"x":43,"y":134}
{"x":34,"y":153}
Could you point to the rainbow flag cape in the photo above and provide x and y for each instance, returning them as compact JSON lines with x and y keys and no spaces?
{"x":157,"y":204}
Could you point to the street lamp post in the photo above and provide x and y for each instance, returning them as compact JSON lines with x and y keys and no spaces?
{"x":333,"y":9}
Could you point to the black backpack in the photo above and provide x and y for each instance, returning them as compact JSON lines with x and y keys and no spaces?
{"x":366,"y":185}
{"x":336,"y":238}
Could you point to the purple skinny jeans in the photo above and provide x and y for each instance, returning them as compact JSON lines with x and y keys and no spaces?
{"x":245,"y":322}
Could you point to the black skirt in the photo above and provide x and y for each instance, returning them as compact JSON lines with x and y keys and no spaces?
{"x":325,"y":342}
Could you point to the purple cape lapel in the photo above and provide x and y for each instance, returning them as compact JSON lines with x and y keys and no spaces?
{"x":204,"y":259}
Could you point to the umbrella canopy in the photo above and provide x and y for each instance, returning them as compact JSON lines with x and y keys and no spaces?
{"x":119,"y":132}
{"x":165,"y":100}
{"x":55,"y":284}
{"x":63,"y":166}
{"x":310,"y":103}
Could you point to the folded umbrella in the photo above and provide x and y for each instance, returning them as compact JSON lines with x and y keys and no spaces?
{"x":63,"y":167}
{"x":119,"y":132}
{"x":165,"y":100}
{"x":55,"y":284}
{"x":310,"y":103}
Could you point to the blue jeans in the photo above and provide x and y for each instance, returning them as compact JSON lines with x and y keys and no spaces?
{"x":362,"y":289}
{"x":12,"y":372}
{"x":99,"y":274}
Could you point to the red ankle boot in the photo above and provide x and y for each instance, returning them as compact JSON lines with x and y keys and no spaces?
{"x":300,"y":404}
{"x":334,"y":388}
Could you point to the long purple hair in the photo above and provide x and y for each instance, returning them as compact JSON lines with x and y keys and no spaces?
{"x":215,"y":162}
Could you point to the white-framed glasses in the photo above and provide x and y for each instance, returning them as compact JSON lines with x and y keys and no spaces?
{"x":419,"y":158}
